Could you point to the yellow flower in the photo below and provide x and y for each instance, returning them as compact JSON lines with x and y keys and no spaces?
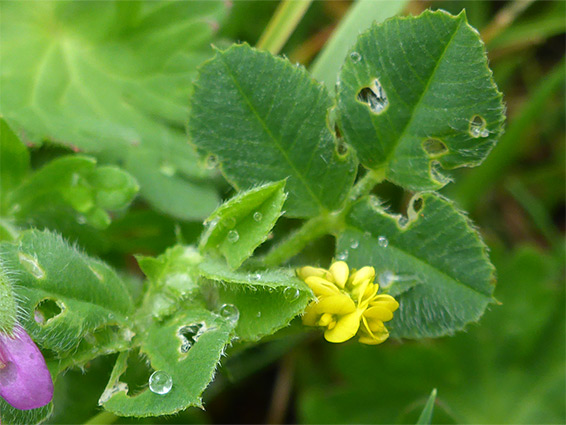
{"x":347,"y":303}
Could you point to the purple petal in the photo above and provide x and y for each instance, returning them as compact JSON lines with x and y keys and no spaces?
{"x":25,"y":381}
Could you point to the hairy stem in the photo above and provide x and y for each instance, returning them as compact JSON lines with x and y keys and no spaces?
{"x":286,"y":18}
{"x":321,"y":225}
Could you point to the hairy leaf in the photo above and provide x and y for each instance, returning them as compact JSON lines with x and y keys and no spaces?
{"x":437,"y":248}
{"x":260,"y":128}
{"x":416,"y":94}
{"x":266,"y":300}
{"x":189,"y":359}
{"x":64,"y":295}
{"x":241,"y":224}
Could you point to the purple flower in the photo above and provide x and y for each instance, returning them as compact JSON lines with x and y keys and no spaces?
{"x":25,"y":381}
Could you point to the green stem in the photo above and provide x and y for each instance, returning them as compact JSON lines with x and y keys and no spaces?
{"x":294,"y":243}
{"x":286,"y":18}
{"x":102,"y":418}
{"x":366,"y":184}
{"x":321,"y":225}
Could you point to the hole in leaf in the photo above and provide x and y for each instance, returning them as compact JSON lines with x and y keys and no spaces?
{"x":434,"y":147}
{"x":137,"y":374}
{"x":46,"y":310}
{"x":341,"y":148}
{"x":374,"y":96}
{"x":417,"y":204}
{"x":211,"y":162}
{"x":478,"y":127}
{"x":189,"y":335}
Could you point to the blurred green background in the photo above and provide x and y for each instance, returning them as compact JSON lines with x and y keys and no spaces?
{"x":509,"y":368}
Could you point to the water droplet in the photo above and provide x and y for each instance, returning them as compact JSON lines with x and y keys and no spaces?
{"x":81,"y":219}
{"x":382,"y":241}
{"x":211,"y":162}
{"x":230,"y":312}
{"x":342,"y":256}
{"x":356,"y":57}
{"x":386,"y":278}
{"x":160,"y":382}
{"x":255,"y":276}
{"x":258,"y":314}
{"x":258,"y":216}
{"x":229,"y":222}
{"x":233,"y":236}
{"x":31,"y":265}
{"x":374,"y":96}
{"x":291,"y":293}
{"x":477,"y":127}
{"x":167,"y":169}
{"x":354,"y":244}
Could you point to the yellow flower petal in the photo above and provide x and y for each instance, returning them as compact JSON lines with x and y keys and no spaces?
{"x":365,"y":273}
{"x":340,"y":271}
{"x":325,"y":319}
{"x":309,"y":271}
{"x":372,"y":333}
{"x":311,"y":315}
{"x":321,"y":287}
{"x":335,"y":304}
{"x":384,"y":300}
{"x":346,"y":327}
{"x":378,"y":313}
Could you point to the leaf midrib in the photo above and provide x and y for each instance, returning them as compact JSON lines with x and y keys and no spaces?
{"x":276,"y":142}
{"x":424,"y":92}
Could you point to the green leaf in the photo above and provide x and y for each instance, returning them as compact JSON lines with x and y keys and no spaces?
{"x":260,"y":128}
{"x":169,"y":189}
{"x":172,"y":277}
{"x":241,"y":224}
{"x":437,"y":247}
{"x":75,"y":180}
{"x":8,"y":304}
{"x":416,"y":94}
{"x":426,"y":415}
{"x":63,"y":295}
{"x":13,"y":416}
{"x":190,"y":364}
{"x":360,"y":16}
{"x":111,"y":78}
{"x":267,"y":300}
{"x":14,"y":162}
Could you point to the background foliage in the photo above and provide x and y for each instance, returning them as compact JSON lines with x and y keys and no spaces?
{"x":100,"y":97}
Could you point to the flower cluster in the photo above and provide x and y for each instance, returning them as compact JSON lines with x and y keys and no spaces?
{"x":347,"y":303}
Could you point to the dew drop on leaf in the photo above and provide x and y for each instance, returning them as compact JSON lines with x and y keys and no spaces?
{"x":233,"y":236}
{"x":31,"y":265}
{"x":386,"y":278}
{"x":291,"y":294}
{"x":477,"y":127}
{"x":255,"y":276}
{"x":230,"y":312}
{"x":374,"y":96}
{"x":343,"y":256}
{"x":160,"y":382}
{"x":382,"y":241}
{"x":354,"y":244}
{"x":258,"y":314}
{"x":258,"y":216}
{"x":356,"y":57}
